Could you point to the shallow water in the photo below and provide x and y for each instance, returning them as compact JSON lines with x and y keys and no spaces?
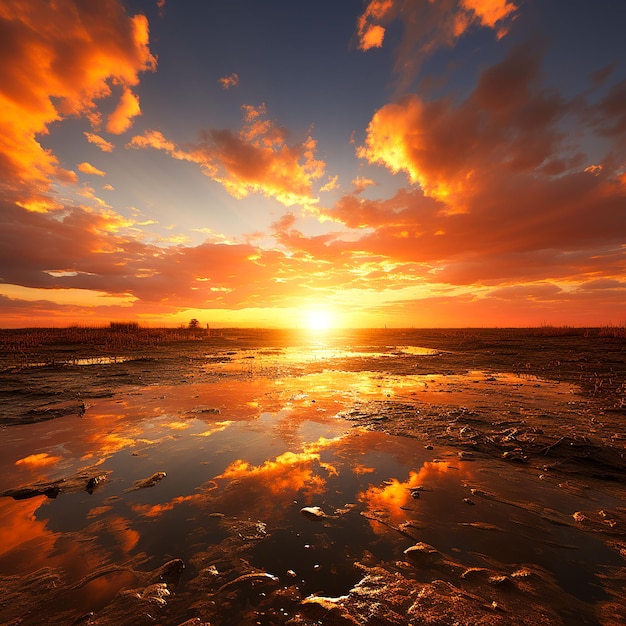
{"x":256,"y":449}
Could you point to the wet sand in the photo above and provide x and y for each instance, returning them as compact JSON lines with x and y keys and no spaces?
{"x":265,"y":477}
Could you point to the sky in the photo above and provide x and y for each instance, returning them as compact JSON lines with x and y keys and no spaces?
{"x":349,"y":163}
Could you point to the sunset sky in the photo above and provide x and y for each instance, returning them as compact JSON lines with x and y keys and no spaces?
{"x":280,"y":163}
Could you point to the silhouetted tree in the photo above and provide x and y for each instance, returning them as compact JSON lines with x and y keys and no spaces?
{"x":194,"y":323}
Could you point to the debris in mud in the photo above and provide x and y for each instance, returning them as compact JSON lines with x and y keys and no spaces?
{"x":252,"y":578}
{"x":313,"y":513}
{"x":422,"y":553}
{"x":85,"y":480}
{"x":528,"y":442}
{"x":145,"y":483}
{"x":388,"y":598}
{"x":202,"y":409}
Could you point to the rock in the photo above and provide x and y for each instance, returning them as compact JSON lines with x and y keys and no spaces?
{"x":313,"y":512}
{"x":466,"y":456}
{"x":144,"y":483}
{"x":84,"y":480}
{"x":168,"y":573}
{"x":206,"y":409}
{"x":94,"y":482}
{"x":423,"y":553}
{"x":23,"y":493}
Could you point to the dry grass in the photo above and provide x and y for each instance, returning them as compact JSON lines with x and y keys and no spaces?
{"x":48,"y":346}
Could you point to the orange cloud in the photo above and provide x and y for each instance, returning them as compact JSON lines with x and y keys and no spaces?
{"x":88,"y":168}
{"x":121,"y":119}
{"x":428,"y":26}
{"x":258,"y":159}
{"x":61,"y":60}
{"x":508,"y":122}
{"x":370,"y":33}
{"x":229,"y":81}
{"x":103,"y":144}
{"x":490,"y":12}
{"x":331,"y":184}
{"x":361,"y":183}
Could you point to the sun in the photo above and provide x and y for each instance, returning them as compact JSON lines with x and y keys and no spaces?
{"x":319,"y":320}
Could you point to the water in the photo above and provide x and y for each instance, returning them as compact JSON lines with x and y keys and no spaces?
{"x":244,"y":454}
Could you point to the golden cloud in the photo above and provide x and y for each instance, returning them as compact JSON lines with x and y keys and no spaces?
{"x":103,"y":144}
{"x":258,"y":159}
{"x":121,"y":119}
{"x":88,"y":168}
{"x":490,"y":12}
{"x":370,"y":33}
{"x":62,"y":58}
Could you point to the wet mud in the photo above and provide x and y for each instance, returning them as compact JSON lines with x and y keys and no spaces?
{"x":373,"y":477}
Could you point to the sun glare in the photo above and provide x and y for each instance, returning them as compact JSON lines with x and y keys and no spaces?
{"x":319,"y":320}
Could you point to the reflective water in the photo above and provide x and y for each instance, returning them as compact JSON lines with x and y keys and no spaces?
{"x":244,"y":454}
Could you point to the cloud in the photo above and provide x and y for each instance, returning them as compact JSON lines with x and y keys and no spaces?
{"x":103,"y":144}
{"x":500,"y":194}
{"x":361,"y":183}
{"x":257,"y":159}
{"x":428,"y":25}
{"x":229,"y":81}
{"x":370,"y":33}
{"x":331,"y":185}
{"x":509,"y":122}
{"x":88,"y":168}
{"x":122,"y":118}
{"x":58,"y":60}
{"x":98,"y":252}
{"x":490,"y":13}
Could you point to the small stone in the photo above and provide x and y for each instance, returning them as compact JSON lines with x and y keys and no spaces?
{"x":94,"y":482}
{"x":313,"y":512}
{"x":468,"y":501}
{"x":147,"y":482}
{"x":422,"y":553}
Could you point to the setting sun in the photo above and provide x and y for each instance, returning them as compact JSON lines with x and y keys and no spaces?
{"x":319,"y":320}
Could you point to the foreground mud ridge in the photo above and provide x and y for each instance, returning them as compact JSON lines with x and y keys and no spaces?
{"x":374,"y":477}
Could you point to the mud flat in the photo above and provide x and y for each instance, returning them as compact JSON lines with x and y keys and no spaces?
{"x":265,"y":477}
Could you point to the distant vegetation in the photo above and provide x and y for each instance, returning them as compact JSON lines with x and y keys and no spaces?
{"x":124,"y":326}
{"x":20,"y":346}
{"x":616,"y":332}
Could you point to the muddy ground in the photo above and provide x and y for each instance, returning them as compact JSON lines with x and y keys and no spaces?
{"x":579,"y":445}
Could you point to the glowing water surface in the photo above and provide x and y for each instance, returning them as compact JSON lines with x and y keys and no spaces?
{"x":257,"y":449}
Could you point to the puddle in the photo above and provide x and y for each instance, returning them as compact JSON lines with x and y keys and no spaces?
{"x":243,"y":458}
